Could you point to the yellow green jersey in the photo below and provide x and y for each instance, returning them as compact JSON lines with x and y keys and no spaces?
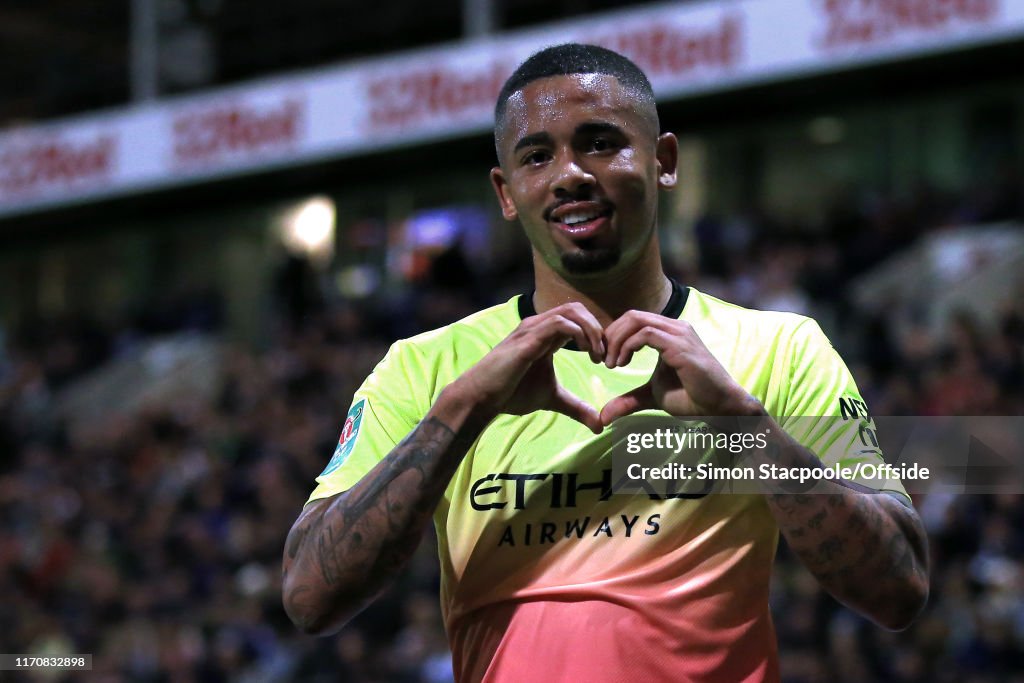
{"x":547,"y":575}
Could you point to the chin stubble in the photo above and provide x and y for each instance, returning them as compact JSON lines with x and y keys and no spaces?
{"x":588,"y":261}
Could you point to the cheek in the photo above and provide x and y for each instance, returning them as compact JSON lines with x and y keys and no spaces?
{"x":629,"y":180}
{"x":530,"y":193}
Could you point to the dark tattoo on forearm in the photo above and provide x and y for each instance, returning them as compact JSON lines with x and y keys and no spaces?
{"x":866,"y":548}
{"x":358,"y":542}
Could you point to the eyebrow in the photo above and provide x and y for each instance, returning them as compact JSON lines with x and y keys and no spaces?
{"x":590,"y":128}
{"x":531,"y":140}
{"x":595,"y":127}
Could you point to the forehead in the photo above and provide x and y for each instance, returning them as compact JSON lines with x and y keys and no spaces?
{"x":547,"y":103}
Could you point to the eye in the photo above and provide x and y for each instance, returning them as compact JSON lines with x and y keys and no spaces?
{"x":602,"y":144}
{"x":534,"y":157}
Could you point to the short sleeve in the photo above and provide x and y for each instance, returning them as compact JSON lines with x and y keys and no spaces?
{"x":384,"y":410}
{"x":824,"y":411}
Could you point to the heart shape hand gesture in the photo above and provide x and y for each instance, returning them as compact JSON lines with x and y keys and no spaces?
{"x":517,"y":377}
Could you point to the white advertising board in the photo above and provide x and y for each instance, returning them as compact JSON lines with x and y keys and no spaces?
{"x":449,"y":90}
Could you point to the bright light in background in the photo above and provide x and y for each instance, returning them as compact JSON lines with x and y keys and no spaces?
{"x":308,"y":229}
{"x":312,"y":226}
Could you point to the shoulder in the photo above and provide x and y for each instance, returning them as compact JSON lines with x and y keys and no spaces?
{"x":415,"y":370}
{"x":785,"y":359}
{"x":749,"y":325}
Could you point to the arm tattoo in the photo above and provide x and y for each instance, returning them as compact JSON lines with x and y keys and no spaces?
{"x":344,"y":550}
{"x":868,"y":549}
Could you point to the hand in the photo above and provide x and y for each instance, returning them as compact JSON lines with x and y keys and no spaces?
{"x":517,"y":376}
{"x":687,"y":381}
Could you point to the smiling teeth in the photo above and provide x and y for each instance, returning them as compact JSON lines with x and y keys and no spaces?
{"x":574,"y":218}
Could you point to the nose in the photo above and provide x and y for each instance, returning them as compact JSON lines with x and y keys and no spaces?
{"x":570,"y":176}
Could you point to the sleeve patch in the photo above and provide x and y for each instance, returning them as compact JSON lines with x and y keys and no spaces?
{"x":349,"y":434}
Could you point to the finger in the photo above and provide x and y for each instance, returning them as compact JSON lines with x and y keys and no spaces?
{"x":622,"y":329}
{"x":557,"y":330}
{"x":656,"y":339}
{"x":565,"y":402}
{"x":641,"y":398}
{"x":582,"y":316}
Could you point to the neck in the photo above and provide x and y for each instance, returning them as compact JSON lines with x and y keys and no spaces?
{"x":643,"y":286}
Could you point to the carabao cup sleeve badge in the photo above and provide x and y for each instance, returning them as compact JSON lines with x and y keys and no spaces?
{"x":349,"y":434}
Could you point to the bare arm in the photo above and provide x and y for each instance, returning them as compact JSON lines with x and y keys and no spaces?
{"x":868,"y":549}
{"x":344,"y":550}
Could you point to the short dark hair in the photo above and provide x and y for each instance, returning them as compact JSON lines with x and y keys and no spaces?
{"x":574,"y":58}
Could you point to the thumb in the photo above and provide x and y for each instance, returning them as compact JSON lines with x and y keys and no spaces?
{"x":641,"y":398}
{"x":571,"y":405}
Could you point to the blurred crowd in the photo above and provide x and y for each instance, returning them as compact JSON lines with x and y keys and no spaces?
{"x":154,"y":541}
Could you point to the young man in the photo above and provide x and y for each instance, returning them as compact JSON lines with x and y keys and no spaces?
{"x":500,"y":427}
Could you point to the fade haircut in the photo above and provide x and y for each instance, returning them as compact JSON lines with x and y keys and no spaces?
{"x":574,"y":58}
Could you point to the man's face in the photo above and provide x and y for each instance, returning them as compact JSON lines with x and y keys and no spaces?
{"x":580,"y":168}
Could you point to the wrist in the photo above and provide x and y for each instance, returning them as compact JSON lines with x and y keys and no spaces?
{"x":748,"y":406}
{"x":458,"y":404}
{"x":738,"y":415}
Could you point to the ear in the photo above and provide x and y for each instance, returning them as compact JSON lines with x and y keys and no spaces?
{"x":667,"y":152}
{"x":508,"y":207}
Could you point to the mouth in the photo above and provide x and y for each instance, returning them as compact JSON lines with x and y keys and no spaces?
{"x":580,"y":220}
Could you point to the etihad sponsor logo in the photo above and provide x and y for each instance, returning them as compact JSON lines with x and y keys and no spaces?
{"x":540,"y":533}
{"x":867,"y":22}
{"x":30,"y":167}
{"x":235,"y":128}
{"x":556,"y":490}
{"x":562,"y":490}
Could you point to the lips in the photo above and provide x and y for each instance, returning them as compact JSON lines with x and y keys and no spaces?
{"x":580,"y":220}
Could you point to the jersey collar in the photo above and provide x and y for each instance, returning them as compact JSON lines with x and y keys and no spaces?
{"x":673,"y":309}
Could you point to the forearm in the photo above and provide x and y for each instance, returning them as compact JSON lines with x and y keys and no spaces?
{"x":344,"y":550}
{"x":867,"y":549}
